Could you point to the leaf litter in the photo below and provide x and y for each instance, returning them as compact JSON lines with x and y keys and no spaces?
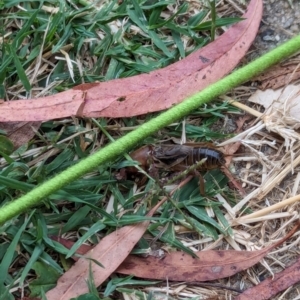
{"x":145,"y":93}
{"x":280,"y":118}
{"x":19,"y":133}
{"x":279,"y":76}
{"x":179,"y":266}
{"x":167,"y":267}
{"x":36,"y":164}
{"x":261,"y":223}
{"x":272,"y":141}
{"x":271,"y":286}
{"x":109,"y":253}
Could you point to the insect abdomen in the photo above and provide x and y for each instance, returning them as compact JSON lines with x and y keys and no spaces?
{"x":214,"y":158}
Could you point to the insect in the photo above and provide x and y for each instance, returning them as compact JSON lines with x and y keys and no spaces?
{"x":143,"y":156}
{"x":178,"y":158}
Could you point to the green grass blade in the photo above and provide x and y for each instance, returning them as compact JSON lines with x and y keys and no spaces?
{"x":93,"y":230}
{"x":24,"y":31}
{"x":8,"y":257}
{"x":76,"y":218}
{"x":201,"y":214}
{"x":219,"y":23}
{"x":21,"y":73}
{"x":38,"y":249}
{"x":181,"y":9}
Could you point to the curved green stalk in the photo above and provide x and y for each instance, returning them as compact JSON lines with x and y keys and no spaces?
{"x":127,"y":142}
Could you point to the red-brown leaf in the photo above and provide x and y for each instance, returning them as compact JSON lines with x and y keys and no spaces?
{"x":110,"y":253}
{"x":52,"y":107}
{"x":20,"y":133}
{"x":146,"y":93}
{"x":211,"y":265}
{"x":272,"y":286}
{"x":178,"y":266}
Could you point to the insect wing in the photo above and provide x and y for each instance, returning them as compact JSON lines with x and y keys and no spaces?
{"x":171,"y":151}
{"x":171,"y":155}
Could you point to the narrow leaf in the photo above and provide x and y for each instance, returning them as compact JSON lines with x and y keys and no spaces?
{"x":145,"y":93}
{"x":211,"y":265}
{"x":179,"y":266}
{"x":21,"y":73}
{"x":270,"y":287}
{"x":20,"y":133}
{"x":109,"y":253}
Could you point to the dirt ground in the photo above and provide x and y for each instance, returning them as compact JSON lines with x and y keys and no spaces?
{"x":281,"y":22}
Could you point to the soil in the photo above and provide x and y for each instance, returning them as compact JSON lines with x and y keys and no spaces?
{"x":281,"y":22}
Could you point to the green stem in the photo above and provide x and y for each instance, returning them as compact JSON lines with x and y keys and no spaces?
{"x":127,"y":142}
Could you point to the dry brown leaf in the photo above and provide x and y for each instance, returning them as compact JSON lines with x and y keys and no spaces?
{"x":240,"y":124}
{"x":271,"y":286}
{"x":110,"y":253}
{"x":211,"y":265}
{"x":286,"y":100}
{"x":179,"y":266}
{"x":230,"y":149}
{"x":278,"y":76}
{"x":145,"y":93}
{"x":20,"y":133}
{"x":282,"y":115}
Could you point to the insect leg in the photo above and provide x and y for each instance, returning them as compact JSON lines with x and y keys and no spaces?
{"x":201,"y":183}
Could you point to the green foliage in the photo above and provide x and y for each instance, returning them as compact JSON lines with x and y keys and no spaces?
{"x":125,"y":281}
{"x":87,"y":297}
{"x":124,"y":39}
{"x":6,"y":146}
{"x":46,"y":279}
